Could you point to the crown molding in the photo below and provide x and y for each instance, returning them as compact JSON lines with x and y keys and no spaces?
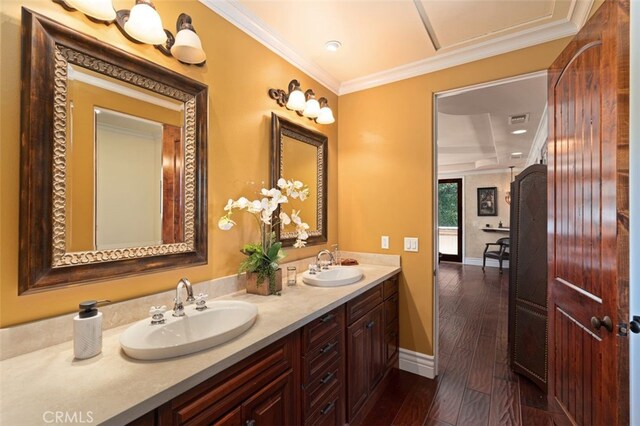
{"x":235,"y":13}
{"x":475,"y":52}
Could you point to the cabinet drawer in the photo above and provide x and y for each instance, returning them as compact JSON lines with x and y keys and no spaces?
{"x":316,"y":392}
{"x":329,"y":411}
{"x":214,"y":398}
{"x":390,"y":287}
{"x":391,"y":310}
{"x":362,"y":304}
{"x":319,"y":329}
{"x":320,"y":357}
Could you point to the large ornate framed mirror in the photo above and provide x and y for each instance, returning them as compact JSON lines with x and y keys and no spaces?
{"x":113,"y":161}
{"x":301,"y":154}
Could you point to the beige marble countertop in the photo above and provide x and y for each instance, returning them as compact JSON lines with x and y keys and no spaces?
{"x":114,"y":389}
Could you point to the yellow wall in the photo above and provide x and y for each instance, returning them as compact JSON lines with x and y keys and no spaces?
{"x":386,"y":173}
{"x":239,"y":72}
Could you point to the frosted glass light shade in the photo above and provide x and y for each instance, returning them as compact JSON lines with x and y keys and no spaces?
{"x":325,"y":116}
{"x":296,"y":100}
{"x":144,"y":24}
{"x":188,"y":47}
{"x":311,"y":109}
{"x":99,"y":9}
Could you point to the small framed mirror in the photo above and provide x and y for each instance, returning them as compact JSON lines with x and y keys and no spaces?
{"x":301,"y":154}
{"x":113,"y":161}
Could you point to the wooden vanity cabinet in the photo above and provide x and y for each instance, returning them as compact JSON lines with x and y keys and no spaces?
{"x":372,"y":342}
{"x":260,"y":390}
{"x":325,"y":374}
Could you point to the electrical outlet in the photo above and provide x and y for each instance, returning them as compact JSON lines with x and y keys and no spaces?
{"x":384,"y":242}
{"x":411,"y":244}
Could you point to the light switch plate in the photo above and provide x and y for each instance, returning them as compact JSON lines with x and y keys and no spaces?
{"x":384,"y":242}
{"x":411,"y":244}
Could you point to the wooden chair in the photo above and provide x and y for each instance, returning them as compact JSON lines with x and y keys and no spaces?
{"x":502,"y":253}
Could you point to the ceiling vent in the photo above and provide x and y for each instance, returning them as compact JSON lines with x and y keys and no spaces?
{"x":516,"y":155}
{"x":518,"y":119}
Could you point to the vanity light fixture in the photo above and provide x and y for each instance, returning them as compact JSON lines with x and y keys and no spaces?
{"x":304,"y":104}
{"x":142,"y":24}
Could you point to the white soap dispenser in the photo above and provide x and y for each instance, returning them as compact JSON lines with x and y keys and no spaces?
{"x":87,"y":330}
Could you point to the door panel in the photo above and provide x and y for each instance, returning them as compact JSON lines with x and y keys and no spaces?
{"x":273,"y":405}
{"x":358,"y":366}
{"x":588,"y":226}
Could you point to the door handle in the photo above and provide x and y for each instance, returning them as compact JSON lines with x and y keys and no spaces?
{"x":634,"y":326}
{"x":606,"y":322}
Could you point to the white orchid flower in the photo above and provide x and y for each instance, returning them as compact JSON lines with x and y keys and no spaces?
{"x":302,"y":195}
{"x":242,"y":203}
{"x":254,"y":207}
{"x":282,"y":183}
{"x":284,"y":218}
{"x":299,"y":244}
{"x":298,"y":185}
{"x":229,"y":205}
{"x":225,"y":223}
{"x":295,"y":218}
{"x":265,"y":217}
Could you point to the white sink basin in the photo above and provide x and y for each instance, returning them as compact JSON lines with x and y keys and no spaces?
{"x":195,"y":331}
{"x":334,"y":277}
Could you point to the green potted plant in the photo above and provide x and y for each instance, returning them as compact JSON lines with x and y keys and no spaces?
{"x":263,"y":258}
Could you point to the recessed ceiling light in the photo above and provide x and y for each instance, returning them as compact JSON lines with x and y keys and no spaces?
{"x":332,"y":45}
{"x":519,"y":132}
{"x":515,"y":154}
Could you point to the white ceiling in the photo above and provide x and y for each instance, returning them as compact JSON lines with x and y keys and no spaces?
{"x":389,"y":40}
{"x":474,"y":132}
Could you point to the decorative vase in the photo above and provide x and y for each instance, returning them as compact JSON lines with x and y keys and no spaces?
{"x":262,"y":288}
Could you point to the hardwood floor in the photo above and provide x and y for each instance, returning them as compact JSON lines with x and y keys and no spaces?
{"x":474,"y":385}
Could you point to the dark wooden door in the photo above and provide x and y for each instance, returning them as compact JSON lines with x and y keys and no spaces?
{"x":450,"y":219}
{"x":588,"y":220}
{"x":273,"y":405}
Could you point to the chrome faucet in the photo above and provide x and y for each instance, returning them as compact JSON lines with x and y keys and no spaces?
{"x":178,"y":308}
{"x":319,"y":256}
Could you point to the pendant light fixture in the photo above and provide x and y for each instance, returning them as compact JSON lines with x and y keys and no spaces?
{"x":507,"y":197}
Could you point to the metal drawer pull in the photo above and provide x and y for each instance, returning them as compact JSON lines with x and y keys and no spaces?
{"x":250,"y":422}
{"x":371,"y":324}
{"x":327,"y":378}
{"x":328,"y":408}
{"x":328,"y":347}
{"x":327,"y":318}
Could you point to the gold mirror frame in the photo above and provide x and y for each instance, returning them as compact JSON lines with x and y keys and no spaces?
{"x":47,"y":49}
{"x":281,"y":127}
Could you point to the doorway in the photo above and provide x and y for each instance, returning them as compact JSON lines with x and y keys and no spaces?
{"x":450,"y":220}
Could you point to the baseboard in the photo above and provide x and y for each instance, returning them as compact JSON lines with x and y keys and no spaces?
{"x":417,"y":363}
{"x":492,"y":263}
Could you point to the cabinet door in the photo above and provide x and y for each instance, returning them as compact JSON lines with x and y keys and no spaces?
{"x":273,"y":405}
{"x":358,"y":349}
{"x":375,"y":330}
